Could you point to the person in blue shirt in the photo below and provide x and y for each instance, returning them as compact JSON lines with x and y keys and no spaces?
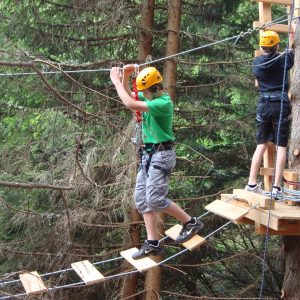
{"x":273,"y":109}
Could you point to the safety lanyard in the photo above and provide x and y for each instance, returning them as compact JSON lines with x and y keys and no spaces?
{"x":138,"y":114}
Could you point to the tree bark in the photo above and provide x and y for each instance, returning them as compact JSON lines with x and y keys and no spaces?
{"x":153,"y":278}
{"x":146,"y":35}
{"x":145,"y":48}
{"x":152,"y":284}
{"x":174,"y":17}
{"x":291,"y":283}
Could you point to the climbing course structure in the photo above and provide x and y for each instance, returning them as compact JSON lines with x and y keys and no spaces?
{"x":266,"y":214}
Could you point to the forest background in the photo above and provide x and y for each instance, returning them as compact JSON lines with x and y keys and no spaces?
{"x":69,"y":138}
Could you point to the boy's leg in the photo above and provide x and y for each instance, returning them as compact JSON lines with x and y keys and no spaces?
{"x":150,"y":219}
{"x":280,"y":164}
{"x":256,"y":163}
{"x":177,"y":212}
{"x":151,"y":246}
{"x":191,"y":226}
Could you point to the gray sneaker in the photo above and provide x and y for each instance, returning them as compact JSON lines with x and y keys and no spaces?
{"x":188,"y":231}
{"x":147,"y":250}
{"x":276,"y":193}
{"x":257,"y":189}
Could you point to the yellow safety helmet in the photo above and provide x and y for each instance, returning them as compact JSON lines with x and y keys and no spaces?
{"x":147,"y":77}
{"x":269,"y":38}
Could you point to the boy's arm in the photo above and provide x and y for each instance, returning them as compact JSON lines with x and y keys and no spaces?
{"x":127,"y":71}
{"x":127,"y":99}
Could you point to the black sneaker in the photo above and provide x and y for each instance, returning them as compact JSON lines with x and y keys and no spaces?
{"x":188,"y":231}
{"x":147,"y":250}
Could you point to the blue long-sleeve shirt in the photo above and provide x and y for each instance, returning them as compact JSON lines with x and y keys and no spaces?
{"x":269,"y":71}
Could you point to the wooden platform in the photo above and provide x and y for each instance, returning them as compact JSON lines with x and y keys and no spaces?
{"x":87,"y":272}
{"x":274,"y":27}
{"x":264,"y":202}
{"x":195,"y":242}
{"x":32,"y":283}
{"x":142,"y":264}
{"x":284,"y":219}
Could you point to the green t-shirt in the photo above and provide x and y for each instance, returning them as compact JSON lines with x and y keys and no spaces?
{"x":157,"y":122}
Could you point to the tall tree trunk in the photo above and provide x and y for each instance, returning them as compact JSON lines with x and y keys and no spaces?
{"x":153,"y":277}
{"x":145,"y":47}
{"x":174,"y":16}
{"x":146,"y":36}
{"x":291,"y":283}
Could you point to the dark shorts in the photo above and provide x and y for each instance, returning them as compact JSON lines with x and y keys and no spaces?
{"x":273,"y":125}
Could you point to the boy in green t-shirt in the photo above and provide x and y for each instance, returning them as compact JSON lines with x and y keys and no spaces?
{"x":158,"y":159}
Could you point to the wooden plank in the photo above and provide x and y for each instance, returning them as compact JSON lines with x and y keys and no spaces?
{"x":33,"y":283}
{"x":265,"y":12}
{"x":269,"y":172}
{"x":266,"y":171}
{"x":283,"y":2}
{"x":87,"y":272}
{"x":142,"y":264}
{"x":244,"y":221}
{"x":225,"y":197}
{"x":226,"y":210}
{"x":292,"y":230}
{"x":291,"y":176}
{"x":195,"y":242}
{"x":287,"y":213}
{"x":275,"y":27}
{"x":253,"y":199}
{"x":268,"y":162}
{"x":297,"y":10}
{"x":259,"y":215}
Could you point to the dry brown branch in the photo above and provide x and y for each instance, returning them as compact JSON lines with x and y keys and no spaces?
{"x":204,"y":197}
{"x":35,"y":186}
{"x":67,"y":211}
{"x":16,"y":64}
{"x":112,"y":225}
{"x":136,"y":294}
{"x":77,"y":82}
{"x":57,"y":94}
{"x":184,"y":296}
{"x":67,"y":254}
{"x":19,"y":210}
{"x":97,"y":39}
{"x":215,"y":63}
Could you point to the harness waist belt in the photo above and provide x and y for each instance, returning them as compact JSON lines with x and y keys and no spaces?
{"x":158,"y":147}
{"x":273,"y":96}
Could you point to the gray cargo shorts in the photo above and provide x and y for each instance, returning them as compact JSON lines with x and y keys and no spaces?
{"x":152,"y":187}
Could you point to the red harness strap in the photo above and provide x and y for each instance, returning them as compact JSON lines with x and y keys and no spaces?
{"x":138,"y":115}
{"x":291,"y":182}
